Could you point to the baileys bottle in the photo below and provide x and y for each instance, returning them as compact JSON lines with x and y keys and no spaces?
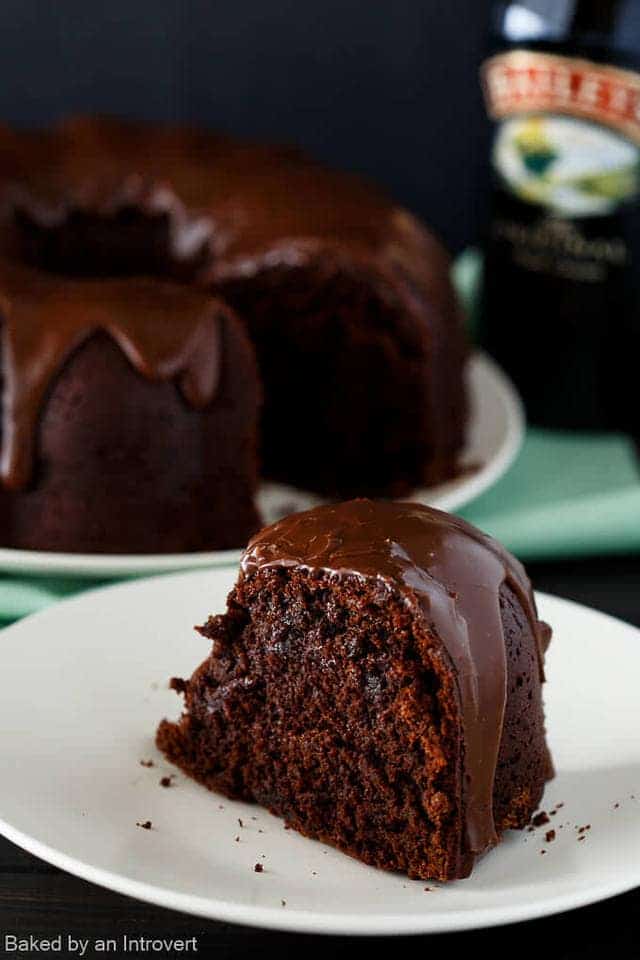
{"x":561,"y":300}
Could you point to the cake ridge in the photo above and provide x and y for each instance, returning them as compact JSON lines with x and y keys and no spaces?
{"x":455,"y":573}
{"x":174,"y":335}
{"x":343,"y":297}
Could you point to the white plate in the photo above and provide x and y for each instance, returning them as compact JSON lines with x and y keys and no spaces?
{"x":495,"y":434}
{"x":86,"y":684}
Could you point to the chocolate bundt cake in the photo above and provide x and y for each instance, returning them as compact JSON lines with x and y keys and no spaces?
{"x":375,"y":681}
{"x":345,"y":297}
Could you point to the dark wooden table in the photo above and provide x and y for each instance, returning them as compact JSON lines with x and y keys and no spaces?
{"x":42,"y":901}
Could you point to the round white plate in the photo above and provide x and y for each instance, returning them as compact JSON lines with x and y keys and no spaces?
{"x":495,"y":434}
{"x":87,"y":685}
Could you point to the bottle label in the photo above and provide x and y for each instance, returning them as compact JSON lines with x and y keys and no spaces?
{"x":568,"y":134}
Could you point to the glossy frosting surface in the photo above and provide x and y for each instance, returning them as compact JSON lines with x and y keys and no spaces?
{"x":453,"y":574}
{"x":248,"y":201}
{"x":166,"y":332}
{"x":230,"y":207}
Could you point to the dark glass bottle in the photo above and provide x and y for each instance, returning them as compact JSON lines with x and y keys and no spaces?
{"x":561,"y":300}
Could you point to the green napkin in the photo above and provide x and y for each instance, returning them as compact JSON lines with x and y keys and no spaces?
{"x":567,"y":494}
{"x":20,"y":596}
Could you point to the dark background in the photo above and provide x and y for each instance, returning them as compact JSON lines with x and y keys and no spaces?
{"x":386,"y":87}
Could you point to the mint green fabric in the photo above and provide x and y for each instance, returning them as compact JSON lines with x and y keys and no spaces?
{"x":467,"y":277}
{"x":20,"y":596}
{"x":567,"y":494}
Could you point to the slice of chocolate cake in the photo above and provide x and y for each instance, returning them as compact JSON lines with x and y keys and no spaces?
{"x":376,"y":681}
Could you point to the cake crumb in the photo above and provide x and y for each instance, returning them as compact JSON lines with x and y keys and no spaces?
{"x":147,"y":763}
{"x":540,"y":819}
{"x":258,"y":868}
{"x":582,"y":837}
{"x":144,"y":824}
{"x":427,"y":889}
{"x":283,"y":902}
{"x":240,"y":822}
{"x":615,"y":806}
{"x":543,"y":851}
{"x":167,"y":781}
{"x":237,"y":839}
{"x":550,"y":835}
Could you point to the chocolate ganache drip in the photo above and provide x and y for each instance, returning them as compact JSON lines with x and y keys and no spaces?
{"x":166,"y":332}
{"x":454,"y":574}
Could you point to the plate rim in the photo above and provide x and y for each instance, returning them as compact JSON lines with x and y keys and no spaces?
{"x":449,"y":496}
{"x":292,"y":920}
{"x":306,"y":921}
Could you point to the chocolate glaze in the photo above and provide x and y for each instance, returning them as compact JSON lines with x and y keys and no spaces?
{"x":229,"y":209}
{"x":251,"y":202}
{"x":167,"y":332}
{"x":452,"y":574}
{"x":125,"y":227}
